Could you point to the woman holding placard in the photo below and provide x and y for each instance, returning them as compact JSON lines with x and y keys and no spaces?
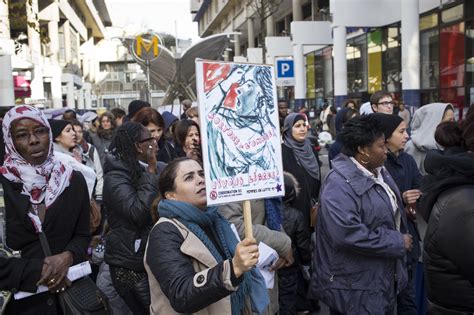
{"x":194,"y":261}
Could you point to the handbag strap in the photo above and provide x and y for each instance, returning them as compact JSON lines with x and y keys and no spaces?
{"x":3,"y":227}
{"x":44,"y":244}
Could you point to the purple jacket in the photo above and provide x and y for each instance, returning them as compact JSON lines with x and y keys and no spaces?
{"x":358,"y":251}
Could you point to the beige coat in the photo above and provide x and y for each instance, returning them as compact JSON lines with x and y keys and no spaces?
{"x":203,"y":260}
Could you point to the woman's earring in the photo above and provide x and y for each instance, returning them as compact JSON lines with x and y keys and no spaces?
{"x":150,"y":147}
{"x":368,"y":159}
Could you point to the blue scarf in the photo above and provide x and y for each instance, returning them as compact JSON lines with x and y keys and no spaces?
{"x":273,"y":213}
{"x":195,"y":219}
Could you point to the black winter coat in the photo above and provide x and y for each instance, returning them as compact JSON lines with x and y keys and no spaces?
{"x":66,"y":226}
{"x":293,"y":224}
{"x":309,"y":185}
{"x":128,"y":212}
{"x":449,"y":241}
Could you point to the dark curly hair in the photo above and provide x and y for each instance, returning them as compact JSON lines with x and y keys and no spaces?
{"x":123,"y":146}
{"x":361,"y":131}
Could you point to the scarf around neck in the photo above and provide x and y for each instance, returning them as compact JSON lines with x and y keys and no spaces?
{"x":41,"y":183}
{"x":196,"y":220}
{"x":302,"y":150}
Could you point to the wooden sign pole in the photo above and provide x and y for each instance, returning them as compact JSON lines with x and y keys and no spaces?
{"x":248,"y":219}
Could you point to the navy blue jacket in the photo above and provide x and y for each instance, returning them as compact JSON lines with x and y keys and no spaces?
{"x":406,"y":175}
{"x":359,"y":254}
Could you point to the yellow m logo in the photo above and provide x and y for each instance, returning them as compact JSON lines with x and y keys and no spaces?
{"x":147,"y":44}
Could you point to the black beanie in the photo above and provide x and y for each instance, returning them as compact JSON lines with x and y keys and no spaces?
{"x":389,"y":123}
{"x":57,"y":126}
{"x":135,"y":106}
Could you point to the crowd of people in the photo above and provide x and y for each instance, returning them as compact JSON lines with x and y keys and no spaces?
{"x":386,"y":231}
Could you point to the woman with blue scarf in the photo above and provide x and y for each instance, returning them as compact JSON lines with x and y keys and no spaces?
{"x":194,"y":261}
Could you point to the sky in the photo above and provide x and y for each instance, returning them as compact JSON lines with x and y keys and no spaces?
{"x":158,"y":15}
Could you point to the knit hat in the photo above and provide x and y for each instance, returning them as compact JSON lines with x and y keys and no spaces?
{"x":169,"y":119}
{"x":389,"y":122}
{"x":57,"y":126}
{"x":135,"y":106}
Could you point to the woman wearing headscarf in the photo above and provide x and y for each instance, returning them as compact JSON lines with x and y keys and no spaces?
{"x":130,"y":186}
{"x":194,"y":261}
{"x":41,"y":194}
{"x":448,"y":206}
{"x":423,"y":127}
{"x":361,"y":239}
{"x":301,"y":160}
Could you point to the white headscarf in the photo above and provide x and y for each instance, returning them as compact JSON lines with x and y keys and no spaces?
{"x":42,"y":183}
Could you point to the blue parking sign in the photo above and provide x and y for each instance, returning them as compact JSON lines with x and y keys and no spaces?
{"x":285,"y":69}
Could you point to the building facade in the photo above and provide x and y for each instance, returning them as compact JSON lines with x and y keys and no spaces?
{"x":53,"y":60}
{"x":374,"y":54}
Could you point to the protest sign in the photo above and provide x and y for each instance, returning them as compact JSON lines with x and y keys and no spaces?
{"x":239,"y":131}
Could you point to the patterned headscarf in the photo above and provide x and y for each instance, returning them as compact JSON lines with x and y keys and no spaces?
{"x":303,"y":151}
{"x":42,"y":183}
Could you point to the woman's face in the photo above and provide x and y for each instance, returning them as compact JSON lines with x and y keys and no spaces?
{"x":377,"y":153}
{"x":351,"y":105}
{"x":105,"y":122}
{"x":155,"y":131}
{"x":79,"y":133}
{"x":192,"y":137}
{"x":448,"y":115}
{"x":67,"y":138}
{"x":146,"y":146}
{"x":31,"y":140}
{"x":399,"y":138}
{"x":190,"y":184}
{"x":299,"y":130}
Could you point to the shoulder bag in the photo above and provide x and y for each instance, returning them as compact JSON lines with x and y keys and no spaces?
{"x":83,"y":297}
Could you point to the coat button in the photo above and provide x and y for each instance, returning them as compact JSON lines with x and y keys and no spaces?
{"x":200,"y":279}
{"x":50,"y":302}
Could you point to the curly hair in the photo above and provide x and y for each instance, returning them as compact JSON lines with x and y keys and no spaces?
{"x":123,"y":147}
{"x":361,"y":131}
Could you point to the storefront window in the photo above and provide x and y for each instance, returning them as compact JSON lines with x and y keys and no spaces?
{"x":470,"y":60}
{"x":452,"y":56}
{"x":328,"y":68}
{"x":453,"y":14}
{"x":310,"y":77}
{"x":356,"y":53}
{"x":319,"y":70}
{"x":429,"y":57}
{"x":374,"y":46}
{"x":391,"y":55}
{"x":428,"y":21}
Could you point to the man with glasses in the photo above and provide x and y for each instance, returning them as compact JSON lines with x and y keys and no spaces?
{"x":382,"y":102}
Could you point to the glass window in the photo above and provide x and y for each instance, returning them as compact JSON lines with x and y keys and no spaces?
{"x":328,"y":68}
{"x":429,"y":57}
{"x":428,"y":21}
{"x":470,"y":56}
{"x":356,"y":55}
{"x":310,"y":77}
{"x":319,"y":70}
{"x":391,"y":54}
{"x":452,"y":14}
{"x":452,"y":56}
{"x":374,"y":47}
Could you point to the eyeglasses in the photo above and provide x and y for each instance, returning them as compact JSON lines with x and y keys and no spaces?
{"x":146,"y":140}
{"x":386,"y":104}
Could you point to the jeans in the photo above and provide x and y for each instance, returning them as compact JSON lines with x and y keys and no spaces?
{"x":406,"y":298}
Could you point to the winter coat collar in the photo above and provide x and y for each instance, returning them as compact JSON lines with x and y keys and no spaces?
{"x":353,"y":176}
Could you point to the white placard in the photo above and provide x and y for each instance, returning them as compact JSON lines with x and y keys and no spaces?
{"x":240,"y":131}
